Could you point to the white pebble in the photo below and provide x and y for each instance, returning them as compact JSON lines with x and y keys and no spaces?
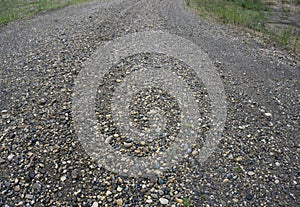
{"x":63,"y":178}
{"x":268,"y":114}
{"x":95,"y":204}
{"x":10,"y":157}
{"x":163,"y":201}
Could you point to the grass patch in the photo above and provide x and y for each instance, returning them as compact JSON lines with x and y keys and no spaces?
{"x":186,"y":202}
{"x":246,"y":13}
{"x":238,"y":12}
{"x":11,"y":10}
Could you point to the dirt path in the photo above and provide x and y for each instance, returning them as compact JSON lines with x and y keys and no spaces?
{"x":43,"y":162}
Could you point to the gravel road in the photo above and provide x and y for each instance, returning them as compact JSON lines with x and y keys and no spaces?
{"x":43,"y":163}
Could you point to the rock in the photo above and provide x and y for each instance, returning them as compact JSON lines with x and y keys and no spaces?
{"x":17,"y":188}
{"x":276,"y":181}
{"x":137,"y":151}
{"x":119,"y":202}
{"x":268,"y":114}
{"x":95,"y":204}
{"x":149,"y":200}
{"x":235,"y":200}
{"x":108,"y":193}
{"x":225,"y":180}
{"x":28,"y":196}
{"x":238,"y":159}
{"x":119,"y":189}
{"x":163,"y":201}
{"x":74,"y":174}
{"x":37,"y":186}
{"x":153,"y":195}
{"x":251,"y":173}
{"x":10,"y":157}
{"x":127,"y":145}
{"x":63,"y":178}
{"x":249,"y":197}
{"x":178,"y":200}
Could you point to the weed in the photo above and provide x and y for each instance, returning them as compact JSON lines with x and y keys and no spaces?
{"x":186,"y":202}
{"x":247,"y":13}
{"x":16,"y":9}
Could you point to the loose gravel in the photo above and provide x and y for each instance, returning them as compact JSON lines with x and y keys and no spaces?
{"x":42,"y":162}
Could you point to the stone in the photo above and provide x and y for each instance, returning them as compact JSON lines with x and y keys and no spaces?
{"x":10,"y":157}
{"x":63,"y":178}
{"x":95,"y":204}
{"x":119,"y":202}
{"x":163,"y":201}
{"x":178,"y":200}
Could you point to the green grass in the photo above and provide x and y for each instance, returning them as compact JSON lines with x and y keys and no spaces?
{"x":238,"y":12}
{"x":11,"y":10}
{"x":248,"y":14}
{"x":186,"y":202}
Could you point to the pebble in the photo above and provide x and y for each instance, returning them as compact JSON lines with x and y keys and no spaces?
{"x":276,"y":181}
{"x":225,"y":180}
{"x":119,"y":202}
{"x":28,"y":196}
{"x":149,"y":200}
{"x":127,"y":145}
{"x":251,"y":173}
{"x":95,"y":204}
{"x":10,"y":157}
{"x":17,"y":188}
{"x":163,"y":201}
{"x":178,"y":200}
{"x":63,"y":178}
{"x":195,"y":152}
{"x":238,"y":159}
{"x":249,"y":197}
{"x":137,"y":151}
{"x":36,"y":186}
{"x":268,"y":114}
{"x":74,"y":174}
{"x":119,"y":189}
{"x":235,"y":200}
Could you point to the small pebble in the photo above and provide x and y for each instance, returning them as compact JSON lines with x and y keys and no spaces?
{"x":95,"y":204}
{"x":251,"y":173}
{"x":225,"y":180}
{"x":178,"y":200}
{"x":268,"y":114}
{"x":163,"y":201}
{"x":28,"y":196}
{"x":63,"y":178}
{"x":10,"y":157}
{"x":119,"y":202}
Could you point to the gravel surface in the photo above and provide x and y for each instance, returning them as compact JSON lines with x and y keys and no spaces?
{"x":42,"y":162}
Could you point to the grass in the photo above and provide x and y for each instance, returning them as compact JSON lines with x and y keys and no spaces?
{"x":248,"y":14}
{"x":186,"y":202}
{"x":11,"y":10}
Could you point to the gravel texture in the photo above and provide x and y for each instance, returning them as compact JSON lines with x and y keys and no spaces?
{"x":42,"y":162}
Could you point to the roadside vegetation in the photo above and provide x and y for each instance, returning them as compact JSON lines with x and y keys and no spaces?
{"x":11,"y":10}
{"x":251,"y":14}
